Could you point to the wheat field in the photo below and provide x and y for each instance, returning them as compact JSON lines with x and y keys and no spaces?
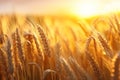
{"x":59,"y":48}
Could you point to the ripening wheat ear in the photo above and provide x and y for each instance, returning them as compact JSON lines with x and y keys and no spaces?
{"x":57,"y":55}
{"x":79,"y":71}
{"x":28,"y":51}
{"x":14,"y":50}
{"x":92,"y":62}
{"x":29,"y":47}
{"x":44,"y":41}
{"x":19,"y":46}
{"x":38,"y":48}
{"x":9,"y":56}
{"x":45,"y":47}
{"x":105,"y":46}
{"x":15,"y":57}
{"x":68,"y":70}
{"x":39,"y":56}
{"x":20,"y":63}
{"x":3,"y":65}
{"x":116,"y":70}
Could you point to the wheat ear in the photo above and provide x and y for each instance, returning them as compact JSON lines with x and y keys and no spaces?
{"x":92,"y":62}
{"x":44,"y":41}
{"x":116,"y":70}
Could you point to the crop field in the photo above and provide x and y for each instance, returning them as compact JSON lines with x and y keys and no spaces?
{"x":59,"y":48}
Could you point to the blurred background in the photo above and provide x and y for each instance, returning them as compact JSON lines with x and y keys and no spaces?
{"x":77,"y":7}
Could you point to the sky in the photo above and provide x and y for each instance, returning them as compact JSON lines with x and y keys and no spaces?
{"x":82,"y":7}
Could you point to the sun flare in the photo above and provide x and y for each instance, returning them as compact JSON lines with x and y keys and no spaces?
{"x":92,"y":8}
{"x":86,"y":9}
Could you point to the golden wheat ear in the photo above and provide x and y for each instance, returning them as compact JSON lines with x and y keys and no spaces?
{"x":103,"y":43}
{"x":45,"y":47}
{"x":92,"y":62}
{"x":9,"y":56}
{"x":78,"y":69}
{"x":19,"y":46}
{"x":38,"y":48}
{"x":116,"y":70}
{"x":3,"y":65}
{"x":68,"y":70}
{"x":105,"y":46}
{"x":43,"y":40}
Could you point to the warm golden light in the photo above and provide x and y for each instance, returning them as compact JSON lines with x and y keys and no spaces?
{"x":85,"y":9}
{"x":94,"y":7}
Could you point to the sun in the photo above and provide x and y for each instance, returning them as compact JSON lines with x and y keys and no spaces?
{"x":86,"y":9}
{"x":91,"y":8}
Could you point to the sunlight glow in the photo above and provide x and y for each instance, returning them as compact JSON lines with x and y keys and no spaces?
{"x":94,"y":7}
{"x":86,"y":9}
